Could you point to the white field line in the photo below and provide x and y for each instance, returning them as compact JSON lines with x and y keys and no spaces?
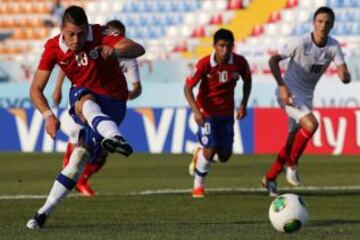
{"x":246,"y":190}
{"x":185,"y":191}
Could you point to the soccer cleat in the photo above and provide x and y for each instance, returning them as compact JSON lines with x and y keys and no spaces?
{"x":193,"y":161}
{"x":85,"y":190}
{"x":117,"y":144}
{"x":37,"y":221}
{"x":270,"y":186}
{"x":198,"y":192}
{"x":292,"y":176}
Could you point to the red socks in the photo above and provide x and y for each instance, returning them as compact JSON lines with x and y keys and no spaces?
{"x":302,"y":137}
{"x":277,"y":166}
{"x":67,"y":155}
{"x":298,"y":145}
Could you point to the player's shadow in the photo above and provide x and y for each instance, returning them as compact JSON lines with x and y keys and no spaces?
{"x":333,"y":222}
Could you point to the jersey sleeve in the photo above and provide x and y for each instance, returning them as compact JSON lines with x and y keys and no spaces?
{"x":339,"y":56}
{"x":197,"y":74}
{"x":132,"y":74}
{"x":110,"y":38}
{"x":289,"y":49}
{"x":48,"y":59}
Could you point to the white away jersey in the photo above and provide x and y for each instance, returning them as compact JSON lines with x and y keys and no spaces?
{"x":307,"y":63}
{"x":130,"y":68}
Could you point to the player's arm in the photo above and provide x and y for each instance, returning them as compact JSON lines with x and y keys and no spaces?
{"x":38,"y":98}
{"x":247,"y":82}
{"x":124,"y":48}
{"x":57,"y":95}
{"x":344,"y":74}
{"x":127,"y":48}
{"x":136,"y":90}
{"x":284,"y":93}
{"x":133,"y":75}
{"x":189,"y":95}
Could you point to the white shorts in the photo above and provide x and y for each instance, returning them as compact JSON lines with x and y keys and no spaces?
{"x":299,"y":108}
{"x":70,"y":127}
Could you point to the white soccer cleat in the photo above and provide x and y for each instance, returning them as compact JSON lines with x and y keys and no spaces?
{"x":292,"y":176}
{"x":37,"y":221}
{"x":192,"y":165}
{"x":32,"y":224}
{"x":270,"y":186}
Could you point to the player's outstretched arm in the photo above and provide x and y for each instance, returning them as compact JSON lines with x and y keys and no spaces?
{"x":344,"y":74}
{"x":57,"y":95}
{"x":189,"y":95}
{"x":38,"y":98}
{"x":127,"y":48}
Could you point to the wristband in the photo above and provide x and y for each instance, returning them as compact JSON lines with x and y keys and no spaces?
{"x":47,"y":114}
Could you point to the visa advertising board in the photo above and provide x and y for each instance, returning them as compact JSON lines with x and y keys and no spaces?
{"x":173,"y":130}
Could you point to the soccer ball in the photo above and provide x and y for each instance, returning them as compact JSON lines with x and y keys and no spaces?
{"x":288,"y":213}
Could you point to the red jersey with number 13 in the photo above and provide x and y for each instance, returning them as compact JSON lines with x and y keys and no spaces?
{"x":217,"y":83}
{"x":87,"y":68}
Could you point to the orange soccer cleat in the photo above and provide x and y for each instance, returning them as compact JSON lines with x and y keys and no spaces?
{"x":85,"y":190}
{"x":198,"y":192}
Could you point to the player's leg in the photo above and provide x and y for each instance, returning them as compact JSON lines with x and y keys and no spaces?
{"x":63,"y":184}
{"x":269,"y":180}
{"x":308,"y":125}
{"x":89,"y":111}
{"x":208,"y":140}
{"x":90,"y":169}
{"x":202,"y":168}
{"x":72,"y":130}
{"x":225,"y":138}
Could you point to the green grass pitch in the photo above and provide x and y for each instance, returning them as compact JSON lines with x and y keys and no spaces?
{"x":235,"y":208}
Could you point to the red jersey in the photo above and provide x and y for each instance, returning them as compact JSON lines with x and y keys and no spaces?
{"x":87,"y":68}
{"x":217,"y":83}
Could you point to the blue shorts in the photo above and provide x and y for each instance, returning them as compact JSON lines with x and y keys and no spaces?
{"x":217,"y":132}
{"x":115,"y":109}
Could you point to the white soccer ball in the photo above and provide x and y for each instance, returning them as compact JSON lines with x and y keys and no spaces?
{"x":288,"y":213}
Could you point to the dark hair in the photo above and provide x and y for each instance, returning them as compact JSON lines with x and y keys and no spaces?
{"x":326,"y":10}
{"x":223,"y":34}
{"x":118,"y":26}
{"x":75,"y":15}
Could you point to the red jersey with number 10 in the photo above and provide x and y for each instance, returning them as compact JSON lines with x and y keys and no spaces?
{"x":87,"y":68}
{"x":217,"y":83}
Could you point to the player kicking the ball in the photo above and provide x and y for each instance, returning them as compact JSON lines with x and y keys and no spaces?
{"x":213,"y":108}
{"x":130,"y":68}
{"x":309,"y":57}
{"x":88,"y":54}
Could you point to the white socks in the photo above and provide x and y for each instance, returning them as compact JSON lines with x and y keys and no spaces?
{"x":201,"y":169}
{"x":66,"y":180}
{"x":98,"y":121}
{"x":57,"y":192}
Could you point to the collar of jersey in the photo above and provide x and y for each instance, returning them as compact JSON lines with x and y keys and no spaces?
{"x":65,"y":48}
{"x":213,"y":63}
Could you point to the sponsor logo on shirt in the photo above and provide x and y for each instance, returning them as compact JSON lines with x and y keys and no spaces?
{"x":94,"y":54}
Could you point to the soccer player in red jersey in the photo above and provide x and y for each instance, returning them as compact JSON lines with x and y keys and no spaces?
{"x":213,"y":108}
{"x":88,"y":55}
{"x":131,"y":70}
{"x":310,"y":57}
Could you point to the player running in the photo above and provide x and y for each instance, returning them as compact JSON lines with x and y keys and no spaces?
{"x":88,"y":55}
{"x":309,"y":56}
{"x":131,"y":70}
{"x":213,"y":108}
